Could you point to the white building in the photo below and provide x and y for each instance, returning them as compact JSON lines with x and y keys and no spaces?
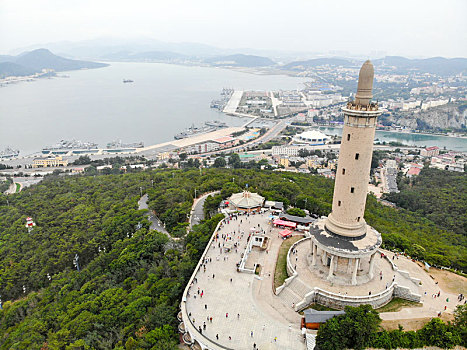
{"x":285,"y":150}
{"x":312,"y":138}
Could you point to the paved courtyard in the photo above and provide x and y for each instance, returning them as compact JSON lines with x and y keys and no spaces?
{"x":383,"y":273}
{"x":432,"y":305}
{"x":242,"y":306}
{"x":246,"y":312}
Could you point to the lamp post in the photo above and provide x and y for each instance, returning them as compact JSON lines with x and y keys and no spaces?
{"x":76,"y":262}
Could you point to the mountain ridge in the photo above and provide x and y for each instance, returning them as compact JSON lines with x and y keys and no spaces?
{"x":28,"y":63}
{"x":241,"y":60}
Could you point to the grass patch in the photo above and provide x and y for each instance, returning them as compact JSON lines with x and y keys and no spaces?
{"x":18,"y":187}
{"x":397,"y":304}
{"x":318,"y":307}
{"x":280,"y":274}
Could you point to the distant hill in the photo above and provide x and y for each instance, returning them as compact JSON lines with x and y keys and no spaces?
{"x":315,"y":62}
{"x":144,"y":56}
{"x":6,"y":58}
{"x":240,"y":60}
{"x":434,"y":65}
{"x":12,"y":69}
{"x":34,"y":61}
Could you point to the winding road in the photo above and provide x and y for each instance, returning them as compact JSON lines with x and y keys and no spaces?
{"x":156,"y":224}
{"x":197,"y":210}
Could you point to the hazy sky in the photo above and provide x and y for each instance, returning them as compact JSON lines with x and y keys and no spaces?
{"x":397,"y":27}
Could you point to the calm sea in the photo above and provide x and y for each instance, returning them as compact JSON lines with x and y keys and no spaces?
{"x":95,"y":105}
{"x":421,"y":140}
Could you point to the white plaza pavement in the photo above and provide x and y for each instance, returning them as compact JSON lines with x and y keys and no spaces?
{"x":255,"y":314}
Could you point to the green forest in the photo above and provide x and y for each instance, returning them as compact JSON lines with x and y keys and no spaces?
{"x":359,"y":328}
{"x":130,"y":279}
{"x":438,"y":195}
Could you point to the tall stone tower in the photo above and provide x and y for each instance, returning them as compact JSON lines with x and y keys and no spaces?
{"x":353,"y":175}
{"x":343,"y":246}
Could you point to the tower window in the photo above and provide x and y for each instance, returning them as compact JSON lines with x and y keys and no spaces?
{"x":358,"y":219}
{"x":339,"y":203}
{"x":348,"y":137}
{"x":357,"y":155}
{"x":343,"y":171}
{"x":352,"y":189}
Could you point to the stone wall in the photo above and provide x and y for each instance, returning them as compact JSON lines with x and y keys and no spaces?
{"x":406,"y":293}
{"x":403,"y":273}
{"x":188,"y":327}
{"x":290,"y":269}
{"x":338,"y":301}
{"x":285,"y":284}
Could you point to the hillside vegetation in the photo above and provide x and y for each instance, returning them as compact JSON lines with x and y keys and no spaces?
{"x":28,"y":63}
{"x":128,"y":289}
{"x":438,"y":195}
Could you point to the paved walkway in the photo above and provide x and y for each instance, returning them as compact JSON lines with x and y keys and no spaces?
{"x":197,"y":209}
{"x":316,"y":278}
{"x":244,"y":308}
{"x":156,"y":224}
{"x":234,"y":101}
{"x":227,"y":293}
{"x":431,"y":306}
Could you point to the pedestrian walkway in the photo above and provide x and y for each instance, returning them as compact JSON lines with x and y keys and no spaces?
{"x":242,"y":306}
{"x":156,"y":224}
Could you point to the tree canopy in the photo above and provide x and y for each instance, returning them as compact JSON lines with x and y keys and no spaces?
{"x":131,"y":279}
{"x":359,"y":328}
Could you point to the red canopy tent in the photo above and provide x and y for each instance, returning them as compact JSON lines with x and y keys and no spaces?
{"x":285,"y":233}
{"x":279,"y":222}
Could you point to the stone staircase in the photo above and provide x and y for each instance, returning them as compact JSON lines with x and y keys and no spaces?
{"x":294,"y":293}
{"x":299,"y":288}
{"x":310,"y":341}
{"x":288,"y":297}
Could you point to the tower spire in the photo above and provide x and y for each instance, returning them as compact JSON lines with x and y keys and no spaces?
{"x":365,"y":84}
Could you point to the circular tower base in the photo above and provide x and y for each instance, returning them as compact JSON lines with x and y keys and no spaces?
{"x":343,"y":260}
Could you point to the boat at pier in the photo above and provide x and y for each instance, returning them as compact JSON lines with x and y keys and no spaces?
{"x":222,"y":102}
{"x":117,"y":144}
{"x":76,"y":146}
{"x":207,"y":127}
{"x":8,"y":153}
{"x":216,"y":123}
